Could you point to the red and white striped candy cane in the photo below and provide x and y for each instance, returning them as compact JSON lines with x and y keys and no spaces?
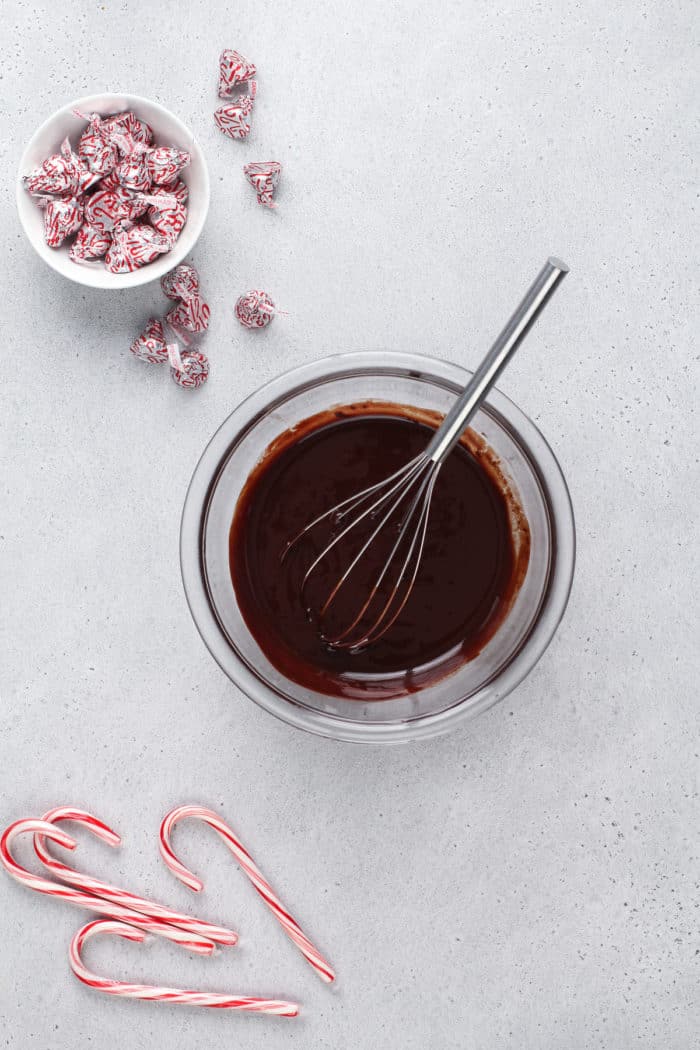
{"x":192,"y":941}
{"x":214,"y":1000}
{"x":218,"y":934}
{"x":290,"y":926}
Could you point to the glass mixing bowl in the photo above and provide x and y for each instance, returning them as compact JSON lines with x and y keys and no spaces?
{"x":424,"y":383}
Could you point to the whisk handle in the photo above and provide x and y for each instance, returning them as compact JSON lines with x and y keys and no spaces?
{"x":534,"y":301}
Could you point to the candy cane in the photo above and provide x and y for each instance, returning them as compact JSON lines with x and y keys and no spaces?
{"x":218,"y":934}
{"x":214,"y":1000}
{"x":290,"y":926}
{"x":192,"y":941}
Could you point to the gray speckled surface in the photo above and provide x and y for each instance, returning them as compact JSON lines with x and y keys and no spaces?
{"x":532,"y":880}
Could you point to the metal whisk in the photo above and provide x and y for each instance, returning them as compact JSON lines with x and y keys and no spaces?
{"x":400,"y":503}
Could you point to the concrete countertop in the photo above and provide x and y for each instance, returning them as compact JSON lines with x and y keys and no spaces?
{"x":530,"y":881}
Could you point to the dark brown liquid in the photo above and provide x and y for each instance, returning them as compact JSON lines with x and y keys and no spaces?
{"x":475,"y":555}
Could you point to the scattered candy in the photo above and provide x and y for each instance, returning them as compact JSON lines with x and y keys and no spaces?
{"x":150,"y":345}
{"x":130,"y":916}
{"x":255,"y":309}
{"x":117,"y":176}
{"x":180,"y":283}
{"x":90,"y":243}
{"x":88,"y":884}
{"x":214,"y":1000}
{"x":232,"y":118}
{"x":263,"y":177}
{"x":233,"y":70}
{"x":191,"y":314}
{"x":195,"y":942}
{"x":290,"y":926}
{"x":158,"y":342}
{"x":134,"y":246}
{"x":189,"y":368}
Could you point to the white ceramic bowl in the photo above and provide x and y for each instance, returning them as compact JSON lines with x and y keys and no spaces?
{"x":168,"y":131}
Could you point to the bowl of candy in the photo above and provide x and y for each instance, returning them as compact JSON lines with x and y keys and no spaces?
{"x":113,"y":191}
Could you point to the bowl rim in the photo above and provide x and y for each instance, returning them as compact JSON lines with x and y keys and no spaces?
{"x":164,"y":263}
{"x":204,"y":479}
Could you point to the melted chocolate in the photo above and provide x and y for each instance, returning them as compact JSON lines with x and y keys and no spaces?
{"x":475,"y":555}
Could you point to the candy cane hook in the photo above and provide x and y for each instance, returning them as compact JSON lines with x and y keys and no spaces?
{"x":290,"y":926}
{"x":214,"y":1000}
{"x":218,"y":934}
{"x":194,"y":942}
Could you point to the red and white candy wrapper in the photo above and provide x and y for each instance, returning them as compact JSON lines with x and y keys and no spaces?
{"x":177,"y":188}
{"x":133,"y":247}
{"x":263,"y":177}
{"x":165,"y":163}
{"x":59,"y":174}
{"x":106,"y":207}
{"x":232,"y":119}
{"x":150,"y":345}
{"x":181,"y":283}
{"x":90,"y":243}
{"x":135,"y":204}
{"x":130,"y":124}
{"x":192,"y":315}
{"x":110,"y":182}
{"x":167,"y":215}
{"x":62,"y":216}
{"x":234,"y":69}
{"x":132,"y":171}
{"x":86,"y":179}
{"x":255,"y":309}
{"x":98,"y":154}
{"x":188,"y":368}
{"x":96,"y":147}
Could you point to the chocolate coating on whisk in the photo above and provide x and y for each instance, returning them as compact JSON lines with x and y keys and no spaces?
{"x":474,"y":560}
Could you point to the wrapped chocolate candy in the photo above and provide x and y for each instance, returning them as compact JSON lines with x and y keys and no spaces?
{"x":234,"y":69}
{"x":164,"y":163}
{"x":133,"y":246}
{"x":188,"y":368}
{"x":59,"y":174}
{"x":181,"y":283}
{"x":167,"y":215}
{"x":139,"y":130}
{"x":99,"y":155}
{"x":264,"y":177}
{"x":177,"y":188}
{"x":62,"y":216}
{"x":116,"y":176}
{"x":110,"y":182}
{"x":150,"y":345}
{"x":90,"y":243}
{"x":255,"y":309}
{"x":190,"y":314}
{"x":232,"y":118}
{"x":96,"y":148}
{"x":135,"y":204}
{"x":106,"y":207}
{"x":132,"y":170}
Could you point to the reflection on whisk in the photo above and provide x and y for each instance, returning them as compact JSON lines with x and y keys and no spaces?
{"x":400,"y":507}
